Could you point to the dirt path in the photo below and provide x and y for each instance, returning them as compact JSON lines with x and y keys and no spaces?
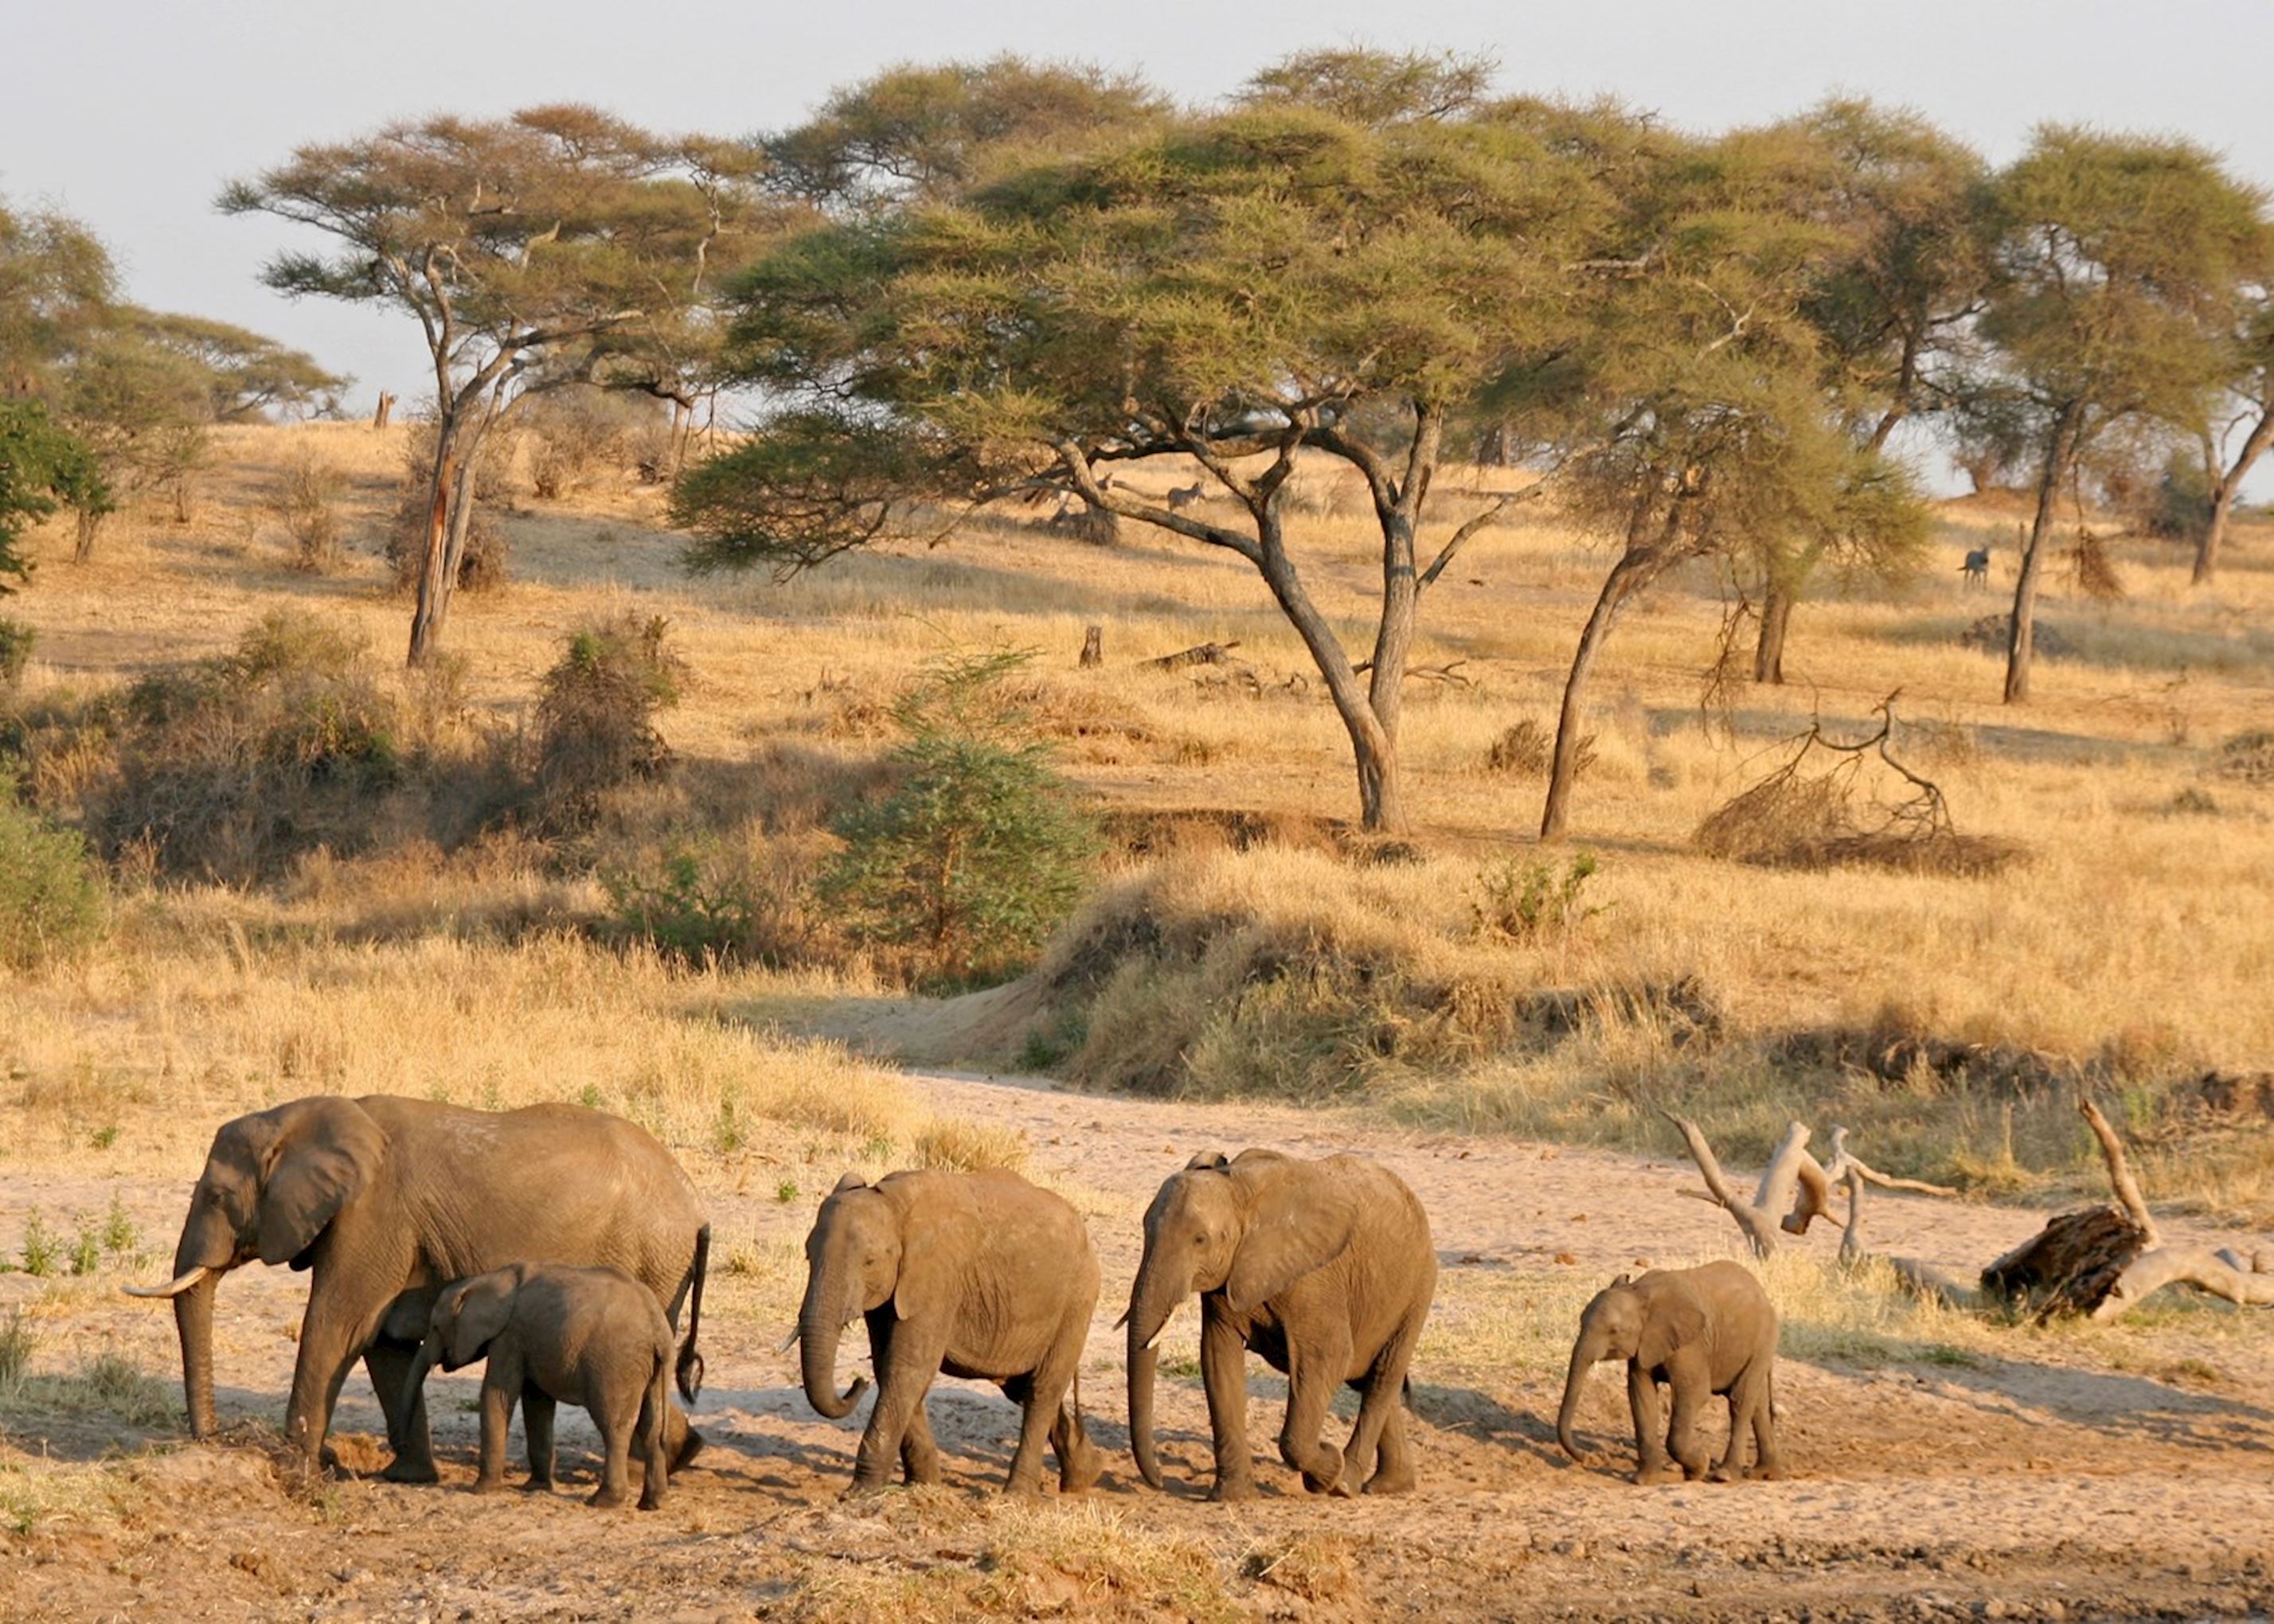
{"x":1950,"y":1484}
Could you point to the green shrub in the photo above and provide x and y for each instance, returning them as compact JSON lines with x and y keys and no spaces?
{"x":963,"y":870}
{"x":17,"y":641}
{"x":43,"y":1249}
{"x":51,"y":895}
{"x":596,"y":714}
{"x":1522,"y":901}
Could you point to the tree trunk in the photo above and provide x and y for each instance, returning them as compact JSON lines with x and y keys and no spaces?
{"x":2021,"y":633}
{"x":436,"y":580}
{"x":1373,"y":746}
{"x":90,"y":525}
{"x":383,"y":412}
{"x":2225,"y":488}
{"x":1768,"y":649}
{"x":1625,"y":576}
{"x":2207,"y":549}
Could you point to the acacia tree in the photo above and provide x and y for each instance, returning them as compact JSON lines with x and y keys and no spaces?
{"x":2118,"y":261}
{"x":57,"y":280}
{"x":1231,"y":291}
{"x":1720,"y":435}
{"x":535,"y":251}
{"x":2248,"y":397}
{"x":1907,"y":272}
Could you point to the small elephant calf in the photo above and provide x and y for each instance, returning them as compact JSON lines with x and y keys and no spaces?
{"x":1702,"y":1331}
{"x":593,"y":1337}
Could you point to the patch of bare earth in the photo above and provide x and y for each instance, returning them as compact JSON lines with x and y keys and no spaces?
{"x":2037,"y":1476}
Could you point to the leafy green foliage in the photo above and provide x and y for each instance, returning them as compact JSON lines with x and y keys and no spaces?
{"x":42,"y":466}
{"x":51,"y":894}
{"x":1521,"y":901}
{"x":690,"y":908}
{"x":966,"y":867}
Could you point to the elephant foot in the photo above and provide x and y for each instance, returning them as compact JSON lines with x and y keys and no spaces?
{"x":400,"y":1470}
{"x":1025,"y":1488}
{"x":1657,"y":1471}
{"x":690,"y":1446}
{"x":862,"y":1488}
{"x":1723,"y":1472}
{"x":1228,"y":1492}
{"x":651,"y":1502}
{"x":1325,"y":1477}
{"x":606,"y":1498}
{"x":1771,"y":1473}
{"x":538,"y":1486}
{"x":488,"y":1485}
{"x":1386,"y":1482}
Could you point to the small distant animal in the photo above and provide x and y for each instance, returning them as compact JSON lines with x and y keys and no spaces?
{"x":1977,"y":567}
{"x":1183,"y":496}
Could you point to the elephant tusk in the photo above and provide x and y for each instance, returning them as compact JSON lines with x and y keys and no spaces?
{"x":1118,"y":1324}
{"x":172,"y":1288}
{"x":788,"y":1341}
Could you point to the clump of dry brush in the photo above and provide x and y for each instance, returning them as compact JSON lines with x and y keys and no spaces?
{"x":1807,"y":815}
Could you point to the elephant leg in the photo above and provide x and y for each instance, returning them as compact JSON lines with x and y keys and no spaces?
{"x":1223,"y":1373}
{"x":919,"y":1453}
{"x":1651,"y":1464}
{"x":1691,"y":1394}
{"x":1393,"y":1472}
{"x":1768,"y":1459}
{"x":615,"y":1423}
{"x":537,"y":1407}
{"x":1382,"y":1399}
{"x":1315,"y":1369}
{"x":388,"y":1366}
{"x":905,"y":1366}
{"x":333,"y":1334}
{"x":1034,"y":1432}
{"x":655,"y":1467}
{"x":1079,"y":1465}
{"x":501,"y":1385}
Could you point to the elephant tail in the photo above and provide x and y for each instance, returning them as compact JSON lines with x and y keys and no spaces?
{"x":690,"y":1361}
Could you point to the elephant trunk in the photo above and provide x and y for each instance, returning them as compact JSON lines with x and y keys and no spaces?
{"x":818,"y":1324}
{"x":193,"y":1321}
{"x":1148,"y":1318}
{"x":207,"y":1250}
{"x":430,"y":1354}
{"x":1584,"y":1353}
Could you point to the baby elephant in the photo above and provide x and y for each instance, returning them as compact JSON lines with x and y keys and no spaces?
{"x":594,"y":1337}
{"x":1702,"y":1331}
{"x":974,"y":1275}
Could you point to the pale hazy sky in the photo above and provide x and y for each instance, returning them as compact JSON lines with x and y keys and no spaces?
{"x":132,"y":113}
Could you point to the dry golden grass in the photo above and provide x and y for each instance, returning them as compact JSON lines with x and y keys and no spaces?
{"x":2138,"y":928}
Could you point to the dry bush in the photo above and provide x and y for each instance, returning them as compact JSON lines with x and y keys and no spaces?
{"x":2248,"y":756}
{"x":1810,"y":823}
{"x":596,"y":714}
{"x":967,"y":1146}
{"x":1525,"y":749}
{"x":306,"y":501}
{"x":2093,"y":571}
{"x":575,"y":434}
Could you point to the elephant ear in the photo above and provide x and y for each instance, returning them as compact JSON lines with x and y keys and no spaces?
{"x":851,"y":1181}
{"x":1302,"y":1217}
{"x":484,"y":1304}
{"x":936,"y":1251}
{"x":1672,"y":1321}
{"x":328,"y":1153}
{"x":1207,"y":1161}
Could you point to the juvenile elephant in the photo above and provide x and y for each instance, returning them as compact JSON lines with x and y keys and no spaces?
{"x":591,"y":1337}
{"x":385,"y":1200}
{"x":1702,"y":1331}
{"x":974,"y":1275}
{"x":1326,"y":1268}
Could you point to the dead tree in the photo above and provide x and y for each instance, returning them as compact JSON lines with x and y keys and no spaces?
{"x":1093,"y":647}
{"x":2105,"y":1260}
{"x":385,"y":409}
{"x":1795,"y":1189}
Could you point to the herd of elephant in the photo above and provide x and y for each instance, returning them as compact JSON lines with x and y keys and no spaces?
{"x":560,"y":1245}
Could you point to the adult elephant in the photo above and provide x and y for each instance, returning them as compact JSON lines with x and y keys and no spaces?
{"x":385,"y":1200}
{"x":1326,"y":1268}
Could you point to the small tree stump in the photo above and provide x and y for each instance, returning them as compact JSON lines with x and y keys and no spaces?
{"x":385,"y":411}
{"x":1093,"y":647}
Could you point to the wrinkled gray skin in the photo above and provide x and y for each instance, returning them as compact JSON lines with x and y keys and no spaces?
{"x":1702,"y":1331}
{"x":591,"y":1337}
{"x":385,"y":1200}
{"x":976,"y":1274}
{"x":1326,"y":1268}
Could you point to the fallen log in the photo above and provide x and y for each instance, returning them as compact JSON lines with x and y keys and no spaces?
{"x":1199,"y":654}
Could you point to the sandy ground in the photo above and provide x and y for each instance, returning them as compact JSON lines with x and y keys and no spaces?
{"x":1944,"y":1485}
